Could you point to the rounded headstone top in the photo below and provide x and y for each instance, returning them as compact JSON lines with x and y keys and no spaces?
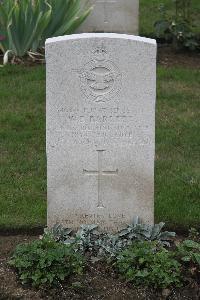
{"x":101,"y":35}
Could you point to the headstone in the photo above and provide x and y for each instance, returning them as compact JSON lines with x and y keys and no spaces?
{"x":119,"y":16}
{"x":101,"y":91}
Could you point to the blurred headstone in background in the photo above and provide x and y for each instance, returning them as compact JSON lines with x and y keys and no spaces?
{"x":118,"y":16}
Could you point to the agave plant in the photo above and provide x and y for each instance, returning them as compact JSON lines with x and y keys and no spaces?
{"x":26,"y":24}
{"x":22,"y":24}
{"x":66,"y":17}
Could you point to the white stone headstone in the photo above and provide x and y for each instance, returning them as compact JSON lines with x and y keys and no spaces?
{"x":101,"y":91}
{"x":119,"y":16}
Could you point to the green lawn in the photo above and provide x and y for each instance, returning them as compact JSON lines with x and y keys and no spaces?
{"x":22,"y":133}
{"x":177,"y":173}
{"x":149,"y":13}
{"x":23,"y":165}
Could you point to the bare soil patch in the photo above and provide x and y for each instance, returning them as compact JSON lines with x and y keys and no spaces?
{"x":98,"y":282}
{"x":168,"y":57}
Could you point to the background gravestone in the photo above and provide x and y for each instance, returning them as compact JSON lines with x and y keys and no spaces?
{"x":120,"y":16}
{"x":100,"y":129}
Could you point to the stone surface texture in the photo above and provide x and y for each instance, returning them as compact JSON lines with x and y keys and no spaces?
{"x":101,"y":91}
{"x":119,"y":16}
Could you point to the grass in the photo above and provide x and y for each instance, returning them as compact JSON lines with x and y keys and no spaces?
{"x":22,"y":133}
{"x":177,"y":181}
{"x":23,"y":165}
{"x":149,"y":13}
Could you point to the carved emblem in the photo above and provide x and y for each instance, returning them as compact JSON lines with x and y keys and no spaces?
{"x":100,"y":79}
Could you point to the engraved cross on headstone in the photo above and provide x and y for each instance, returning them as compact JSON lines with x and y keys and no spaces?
{"x":105,"y":2}
{"x":100,"y":173}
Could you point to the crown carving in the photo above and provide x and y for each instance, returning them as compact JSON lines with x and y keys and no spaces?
{"x":100,"y":53}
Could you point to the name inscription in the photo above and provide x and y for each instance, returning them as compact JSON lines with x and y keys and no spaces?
{"x":103,"y":124}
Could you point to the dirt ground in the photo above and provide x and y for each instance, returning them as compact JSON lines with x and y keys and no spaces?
{"x":168,"y":57}
{"x":98,"y":283}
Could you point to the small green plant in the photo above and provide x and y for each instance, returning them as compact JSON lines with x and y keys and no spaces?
{"x":189,"y":251}
{"x":194,"y":235}
{"x":58,"y":232}
{"x":177,"y":28}
{"x":46,"y":261}
{"x":141,"y":232}
{"x":149,"y":264}
{"x":183,"y":9}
